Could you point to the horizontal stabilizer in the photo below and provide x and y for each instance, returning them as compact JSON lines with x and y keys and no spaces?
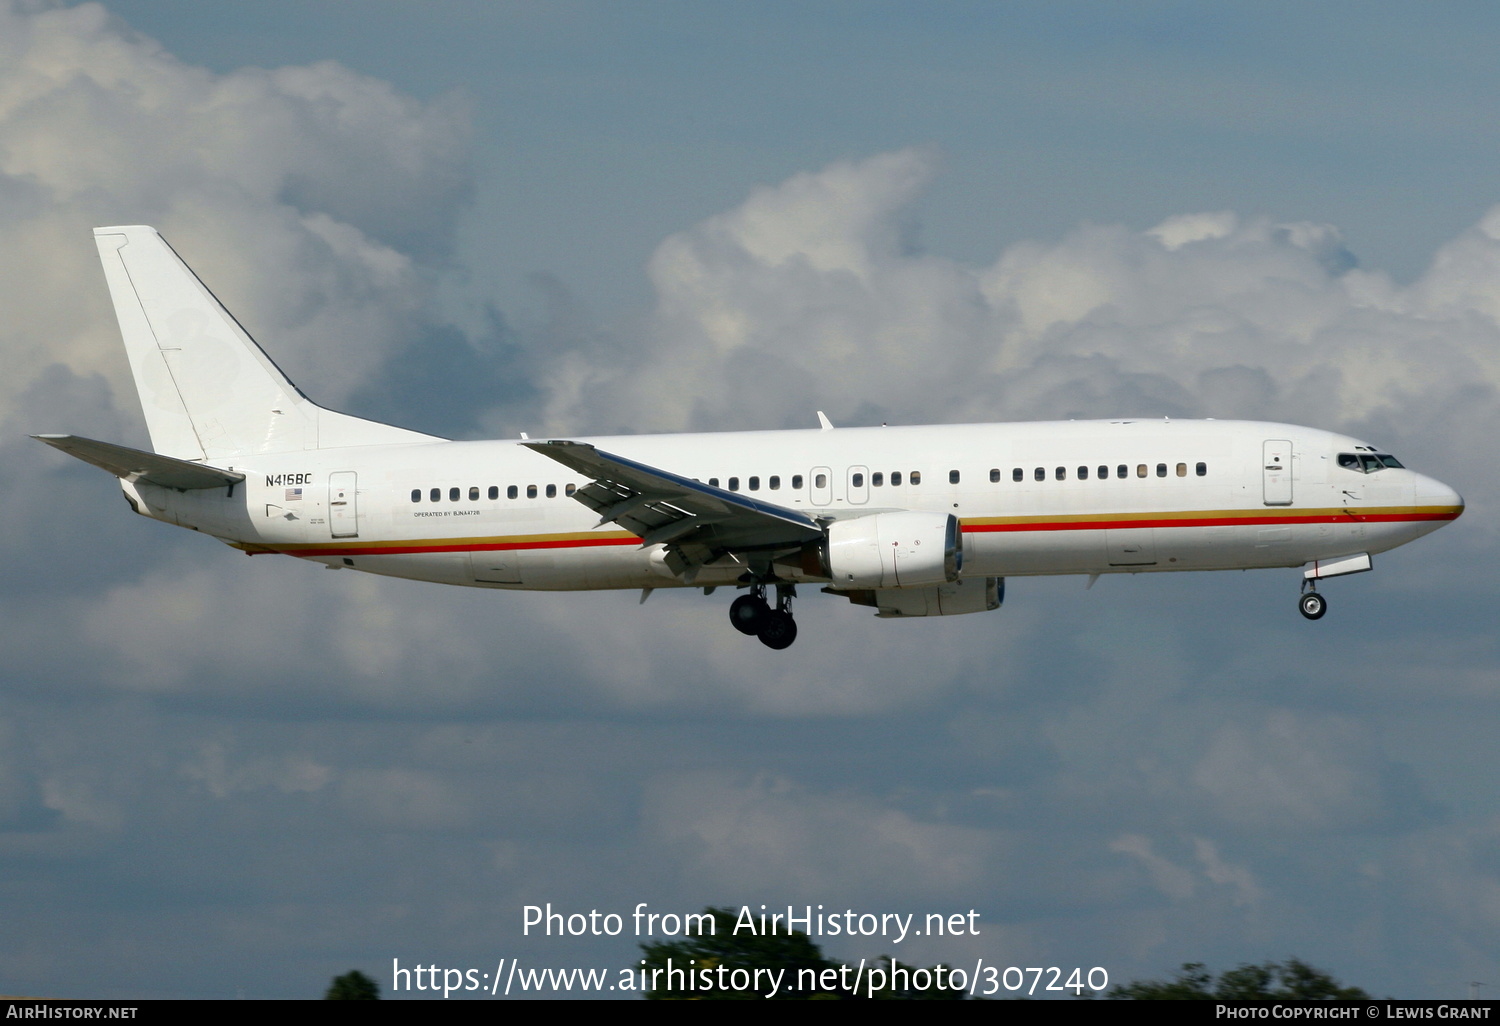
{"x":134,"y":465}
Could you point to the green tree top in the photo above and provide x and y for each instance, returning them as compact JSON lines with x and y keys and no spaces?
{"x":1292,"y":980}
{"x":352,"y":986}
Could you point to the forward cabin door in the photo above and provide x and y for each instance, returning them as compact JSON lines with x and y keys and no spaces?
{"x":1277,"y":473}
{"x":343,"y":505}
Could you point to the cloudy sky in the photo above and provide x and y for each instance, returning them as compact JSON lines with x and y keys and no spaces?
{"x":224,"y":777}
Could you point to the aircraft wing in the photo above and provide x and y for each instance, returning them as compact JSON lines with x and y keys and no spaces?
{"x":134,"y":465}
{"x":697,"y":522}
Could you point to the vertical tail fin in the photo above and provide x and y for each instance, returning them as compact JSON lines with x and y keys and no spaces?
{"x":208,"y":391}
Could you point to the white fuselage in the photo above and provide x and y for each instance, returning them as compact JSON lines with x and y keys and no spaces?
{"x":1075,"y":497}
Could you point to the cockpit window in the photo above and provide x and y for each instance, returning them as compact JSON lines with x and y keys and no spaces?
{"x":1368,"y":463}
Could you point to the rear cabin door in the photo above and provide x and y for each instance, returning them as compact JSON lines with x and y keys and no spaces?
{"x":343,"y":505}
{"x":1277,"y":473}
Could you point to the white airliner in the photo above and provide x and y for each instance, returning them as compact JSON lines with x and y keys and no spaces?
{"x":912,"y":521}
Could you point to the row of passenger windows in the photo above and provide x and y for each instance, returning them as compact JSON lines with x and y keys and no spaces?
{"x":1102,"y":472}
{"x":773,"y":483}
{"x":877,"y":480}
{"x":511,"y":492}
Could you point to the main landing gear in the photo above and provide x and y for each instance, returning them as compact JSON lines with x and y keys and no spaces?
{"x":1311,"y":604}
{"x":752,"y":614}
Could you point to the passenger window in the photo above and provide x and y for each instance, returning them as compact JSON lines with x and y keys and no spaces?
{"x":1083,"y":473}
{"x":797,"y":481}
{"x":435,"y":495}
{"x":734,"y":484}
{"x":494,"y":491}
{"x":994,"y":475}
{"x":1018,"y":474}
{"x":774,"y":483}
{"x":1140,"y":470}
{"x":531,"y":491}
{"x":1103,"y":473}
{"x":953,"y":477}
{"x":1161,"y":470}
{"x":1040,"y":473}
{"x":877,"y":479}
{"x":916,"y":477}
{"x":821,"y":481}
{"x":755,"y":484}
{"x":570,"y":489}
{"x":713,"y":482}
{"x":511,"y":492}
{"x":1202,"y":469}
{"x":1182,"y":470}
{"x":416,"y":495}
{"x":1061,"y":473}
{"x":1122,"y":471}
{"x":895,"y":478}
{"x":552,"y":491}
{"x":858,"y":480}
{"x":452,"y":494}
{"x":473,"y":493}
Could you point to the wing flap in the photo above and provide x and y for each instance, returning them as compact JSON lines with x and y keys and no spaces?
{"x":149,"y":467}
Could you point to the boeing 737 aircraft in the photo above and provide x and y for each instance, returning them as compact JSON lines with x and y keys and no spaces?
{"x":910,"y":521}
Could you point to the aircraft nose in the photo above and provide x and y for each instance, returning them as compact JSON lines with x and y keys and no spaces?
{"x":1435,"y":493}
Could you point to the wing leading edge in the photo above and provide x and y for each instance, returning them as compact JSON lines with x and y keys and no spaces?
{"x":696,"y":522}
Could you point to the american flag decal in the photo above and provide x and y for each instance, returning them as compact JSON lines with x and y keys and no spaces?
{"x":294,"y":495}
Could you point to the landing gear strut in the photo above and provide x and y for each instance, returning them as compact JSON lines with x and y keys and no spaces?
{"x":1311,"y":604}
{"x":752,"y":614}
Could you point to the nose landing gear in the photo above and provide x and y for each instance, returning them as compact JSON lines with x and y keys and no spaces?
{"x":752,"y":614}
{"x":1311,"y":604}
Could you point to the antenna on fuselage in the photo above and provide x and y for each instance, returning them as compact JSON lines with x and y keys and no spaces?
{"x":823,"y":420}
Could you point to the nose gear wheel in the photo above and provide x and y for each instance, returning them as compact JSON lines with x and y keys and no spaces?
{"x":1311,"y":604}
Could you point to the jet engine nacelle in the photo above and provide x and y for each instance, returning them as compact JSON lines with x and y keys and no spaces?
{"x":893,"y":550}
